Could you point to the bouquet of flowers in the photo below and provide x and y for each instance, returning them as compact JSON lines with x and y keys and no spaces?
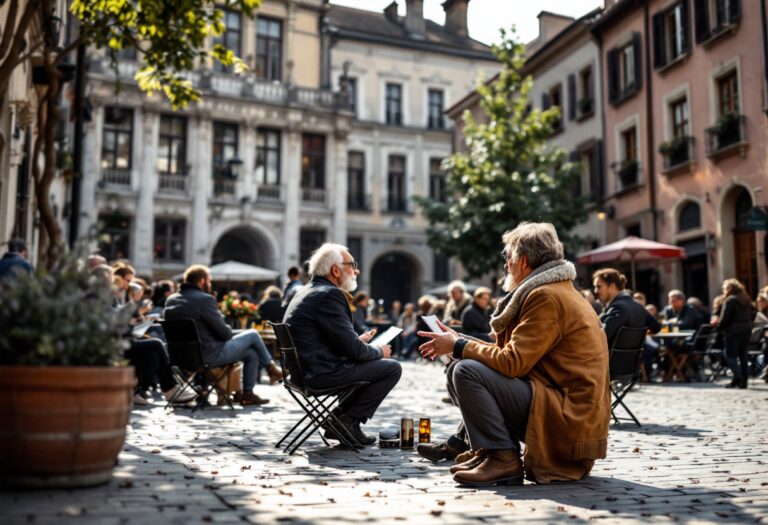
{"x":233,"y":307}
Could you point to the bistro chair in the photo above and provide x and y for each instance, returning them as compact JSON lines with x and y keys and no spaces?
{"x":623,"y":363}
{"x":318,"y":404}
{"x":185,"y":352}
{"x":699,"y":345}
{"x":756,"y":348}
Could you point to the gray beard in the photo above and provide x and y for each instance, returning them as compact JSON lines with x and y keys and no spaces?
{"x":350,"y":285}
{"x":509,"y":283}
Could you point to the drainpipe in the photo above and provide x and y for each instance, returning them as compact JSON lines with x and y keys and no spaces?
{"x":649,"y":120}
{"x":764,"y":26}
{"x":77,"y":153}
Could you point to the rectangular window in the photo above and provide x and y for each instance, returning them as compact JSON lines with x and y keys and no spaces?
{"x":172,"y":145}
{"x":224,"y":148}
{"x":713,"y":17}
{"x":352,"y":93}
{"x":394,"y":103}
{"x":116,"y":147}
{"x":440,"y":263}
{"x":115,"y":236}
{"x":624,"y":68}
{"x":435,"y":119}
{"x":169,"y":240}
{"x":230,"y":38}
{"x":269,"y":48}
{"x":671,"y":34}
{"x":629,"y":144}
{"x":728,"y":93}
{"x":356,"y":181}
{"x":309,"y":241}
{"x":268,"y":157}
{"x":396,"y":183}
{"x":679,"y":113}
{"x":312,"y":161}
{"x":436,"y":180}
{"x":556,"y":100}
{"x":627,"y":66}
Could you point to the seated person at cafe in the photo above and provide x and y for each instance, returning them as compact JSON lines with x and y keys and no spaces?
{"x":271,"y":307}
{"x":360,"y":312}
{"x":195,"y":301}
{"x":330,"y":351}
{"x":476,"y":320}
{"x":679,"y":312}
{"x":458,"y":301}
{"x":620,"y":308}
{"x":544,"y":381}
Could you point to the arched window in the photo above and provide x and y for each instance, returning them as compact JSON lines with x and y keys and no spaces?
{"x":690,"y":217}
{"x":741,"y":209}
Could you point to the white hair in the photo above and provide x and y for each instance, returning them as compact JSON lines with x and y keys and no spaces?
{"x":457,"y":284}
{"x":325,"y":257}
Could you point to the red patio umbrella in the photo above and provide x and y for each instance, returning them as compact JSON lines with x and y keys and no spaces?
{"x":632,"y":249}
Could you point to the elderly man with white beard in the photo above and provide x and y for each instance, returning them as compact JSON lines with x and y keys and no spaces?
{"x":544,"y":382}
{"x":330,"y":351}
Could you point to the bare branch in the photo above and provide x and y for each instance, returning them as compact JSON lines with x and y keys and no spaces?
{"x":10,"y":25}
{"x":9,"y":64}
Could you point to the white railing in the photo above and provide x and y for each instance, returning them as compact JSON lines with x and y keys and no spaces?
{"x":116,"y":177}
{"x":313,"y":195}
{"x":173,"y":183}
{"x":269,"y":193}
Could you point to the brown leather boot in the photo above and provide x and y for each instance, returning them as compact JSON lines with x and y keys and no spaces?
{"x":249,"y":398}
{"x":275,"y":374}
{"x":472,"y":458}
{"x":498,"y":467}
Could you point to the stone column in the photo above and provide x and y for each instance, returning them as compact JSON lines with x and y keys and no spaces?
{"x":248,"y":154}
{"x":89,"y":214}
{"x":291,"y":181}
{"x":144,"y":220}
{"x":200,"y":178}
{"x":337,"y":168}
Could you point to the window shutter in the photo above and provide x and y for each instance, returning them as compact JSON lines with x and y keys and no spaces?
{"x":571,"y":96}
{"x":576,"y":189}
{"x":544,"y":101}
{"x":659,"y":58}
{"x":686,"y":26}
{"x":613,"y":75}
{"x":734,"y":11}
{"x":637,"y":47}
{"x":596,"y":171}
{"x":701,"y":19}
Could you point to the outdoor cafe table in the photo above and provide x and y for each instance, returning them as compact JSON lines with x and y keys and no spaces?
{"x":677,"y":360}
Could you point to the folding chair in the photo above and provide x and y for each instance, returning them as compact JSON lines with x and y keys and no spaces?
{"x":185,"y":352}
{"x":698,"y":345}
{"x":716,"y":353}
{"x":318,"y":404}
{"x":623,"y":363}
{"x":755,"y":349}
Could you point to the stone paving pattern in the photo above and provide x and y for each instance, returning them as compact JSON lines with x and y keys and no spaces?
{"x":701,"y":457}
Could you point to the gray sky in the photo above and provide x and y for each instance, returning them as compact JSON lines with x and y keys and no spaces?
{"x":487,"y":16}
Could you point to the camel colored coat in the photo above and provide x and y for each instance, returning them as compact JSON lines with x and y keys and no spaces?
{"x":557,"y":342}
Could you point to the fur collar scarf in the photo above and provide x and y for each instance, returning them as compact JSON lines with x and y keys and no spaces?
{"x":509,"y":306}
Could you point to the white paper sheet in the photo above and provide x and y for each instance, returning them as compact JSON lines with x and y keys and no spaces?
{"x":386,"y":336}
{"x":431,"y":321}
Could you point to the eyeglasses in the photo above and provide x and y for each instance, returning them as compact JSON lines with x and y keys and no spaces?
{"x":353,"y":264}
{"x":506,"y":256}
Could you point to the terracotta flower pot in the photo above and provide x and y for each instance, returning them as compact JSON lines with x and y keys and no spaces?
{"x":62,"y":426}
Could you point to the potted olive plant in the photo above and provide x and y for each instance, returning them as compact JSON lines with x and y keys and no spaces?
{"x":65,"y":394}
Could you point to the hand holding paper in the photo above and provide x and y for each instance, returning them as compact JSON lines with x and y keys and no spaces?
{"x":441,"y":339}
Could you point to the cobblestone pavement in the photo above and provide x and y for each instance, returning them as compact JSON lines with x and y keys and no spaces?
{"x":701,"y":457}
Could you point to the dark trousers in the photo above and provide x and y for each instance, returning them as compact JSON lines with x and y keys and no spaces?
{"x":736,"y":345}
{"x":494,"y":407}
{"x":383,"y":375}
{"x":149,"y":358}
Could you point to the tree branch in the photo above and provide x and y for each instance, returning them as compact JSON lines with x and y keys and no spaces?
{"x":9,"y":64}
{"x":10,"y":24}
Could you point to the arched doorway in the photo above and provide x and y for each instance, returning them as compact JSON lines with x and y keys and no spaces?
{"x":744,"y":246}
{"x":394,"y":276}
{"x":245,"y":245}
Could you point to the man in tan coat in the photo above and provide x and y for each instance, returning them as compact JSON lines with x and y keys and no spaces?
{"x":544,"y":382}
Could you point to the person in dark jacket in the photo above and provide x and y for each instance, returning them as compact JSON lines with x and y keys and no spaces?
{"x":15,"y":260}
{"x":292,"y":287}
{"x":194,"y":301}
{"x":736,"y":321}
{"x":330,"y":351}
{"x":620,"y":308}
{"x":360,"y":312}
{"x":476,"y":319}
{"x":678,"y":310}
{"x":271,"y":308}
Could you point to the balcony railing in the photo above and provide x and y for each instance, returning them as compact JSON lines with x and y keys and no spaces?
{"x":313,"y":195}
{"x":627,"y":172}
{"x":245,"y":86}
{"x":173,"y":183}
{"x":224,"y":187}
{"x":677,"y":153}
{"x":358,"y":202}
{"x":116,"y":177}
{"x":269,"y":193}
{"x":730,"y":133}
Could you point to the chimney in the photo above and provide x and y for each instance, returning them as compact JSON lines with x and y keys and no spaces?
{"x":391,"y":12}
{"x":414,"y":18}
{"x":456,"y":17}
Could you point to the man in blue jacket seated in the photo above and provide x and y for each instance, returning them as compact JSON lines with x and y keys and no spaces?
{"x":330,"y":351}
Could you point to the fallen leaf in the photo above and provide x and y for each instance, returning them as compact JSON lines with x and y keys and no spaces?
{"x":155,"y":451}
{"x":436,"y":512}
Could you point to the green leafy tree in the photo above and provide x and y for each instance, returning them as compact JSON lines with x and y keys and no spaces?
{"x":169,"y":35}
{"x":508,"y":173}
